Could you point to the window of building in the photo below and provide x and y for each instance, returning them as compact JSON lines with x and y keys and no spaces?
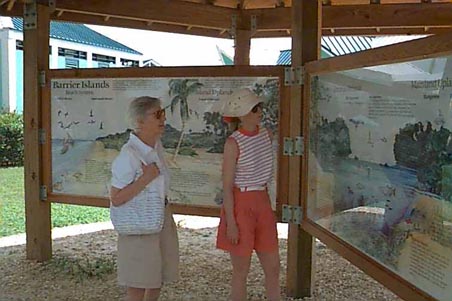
{"x":71,"y":53}
{"x":71,"y":63}
{"x":20,"y":46}
{"x":129,"y":63}
{"x":103,"y":65}
{"x":103,"y":61}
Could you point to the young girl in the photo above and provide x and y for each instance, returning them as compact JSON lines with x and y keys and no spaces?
{"x":247,"y":220}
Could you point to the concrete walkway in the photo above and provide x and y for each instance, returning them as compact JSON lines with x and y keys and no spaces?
{"x":185,"y":221}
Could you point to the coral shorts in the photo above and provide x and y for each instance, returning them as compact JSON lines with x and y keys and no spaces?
{"x":256,"y":222}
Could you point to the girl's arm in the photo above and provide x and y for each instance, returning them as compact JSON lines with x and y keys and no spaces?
{"x":230,"y":156}
{"x":119,"y":197}
{"x":270,"y":135}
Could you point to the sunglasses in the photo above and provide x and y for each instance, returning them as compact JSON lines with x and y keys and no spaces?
{"x":159,"y":114}
{"x":257,"y":107}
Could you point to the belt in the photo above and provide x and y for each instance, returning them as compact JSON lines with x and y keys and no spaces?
{"x":252,"y":188}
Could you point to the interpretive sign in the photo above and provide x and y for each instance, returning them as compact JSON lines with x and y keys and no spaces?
{"x":380,"y":166}
{"x":89,"y":127}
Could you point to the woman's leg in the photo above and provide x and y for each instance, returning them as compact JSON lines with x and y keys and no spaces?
{"x":152,"y":294}
{"x":271,"y":265}
{"x":240,"y":269}
{"x":135,"y":294}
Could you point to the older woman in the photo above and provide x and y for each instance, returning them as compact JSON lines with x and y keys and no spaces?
{"x":144,"y":261}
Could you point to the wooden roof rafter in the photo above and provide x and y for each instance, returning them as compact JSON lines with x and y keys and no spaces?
{"x":9,"y":4}
{"x":214,"y":17}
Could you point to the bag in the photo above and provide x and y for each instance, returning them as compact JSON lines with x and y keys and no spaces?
{"x":144,"y":214}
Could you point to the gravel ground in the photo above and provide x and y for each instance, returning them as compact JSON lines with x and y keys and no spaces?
{"x":83,"y":268}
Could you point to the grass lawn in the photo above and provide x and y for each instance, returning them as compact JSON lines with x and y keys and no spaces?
{"x":12,"y":206}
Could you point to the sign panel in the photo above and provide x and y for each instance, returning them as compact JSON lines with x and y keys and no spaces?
{"x":380,"y":166}
{"x":89,"y":127}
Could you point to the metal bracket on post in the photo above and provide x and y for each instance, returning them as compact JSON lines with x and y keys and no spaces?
{"x":293,"y":147}
{"x":52,"y":5}
{"x":42,"y":136}
{"x":42,"y":78}
{"x":299,"y":146}
{"x":253,"y":24}
{"x":292,"y":214}
{"x":293,"y":76}
{"x":30,"y":15}
{"x":233,"y":30}
{"x":43,"y":193}
{"x":288,"y":146}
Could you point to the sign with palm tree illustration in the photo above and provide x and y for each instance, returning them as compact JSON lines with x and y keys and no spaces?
{"x":179,"y":90}
{"x":92,"y":113}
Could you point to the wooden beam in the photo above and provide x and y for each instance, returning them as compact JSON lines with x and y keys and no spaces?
{"x":385,"y":31}
{"x":396,"y":15}
{"x":161,"y":11}
{"x":306,"y":33}
{"x":293,"y":273}
{"x":37,"y":212}
{"x":425,"y":48}
{"x":10,"y":4}
{"x":363,"y":16}
{"x":427,"y":18}
{"x":382,"y":274}
{"x":242,"y":47}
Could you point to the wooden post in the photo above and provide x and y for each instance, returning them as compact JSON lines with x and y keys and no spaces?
{"x":242,"y":41}
{"x":306,"y":26}
{"x":36,"y":59}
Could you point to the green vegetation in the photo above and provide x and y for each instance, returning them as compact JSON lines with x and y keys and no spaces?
{"x":333,"y":140}
{"x":12,"y":206}
{"x":81,"y":268}
{"x":11,"y":139}
{"x":428,"y":150}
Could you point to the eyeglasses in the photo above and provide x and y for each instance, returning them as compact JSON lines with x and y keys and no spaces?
{"x":257,"y":107}
{"x":159,"y":114}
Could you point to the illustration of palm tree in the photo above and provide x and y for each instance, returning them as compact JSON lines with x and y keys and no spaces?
{"x":180,"y":89}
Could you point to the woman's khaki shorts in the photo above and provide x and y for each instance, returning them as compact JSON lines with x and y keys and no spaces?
{"x":147,"y":261}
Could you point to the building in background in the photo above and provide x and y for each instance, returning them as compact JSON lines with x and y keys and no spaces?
{"x":330,"y":46}
{"x":333,"y":46}
{"x":72,"y":45}
{"x":225,"y":59}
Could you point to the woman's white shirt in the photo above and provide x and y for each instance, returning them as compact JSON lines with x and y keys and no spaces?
{"x":126,"y":168}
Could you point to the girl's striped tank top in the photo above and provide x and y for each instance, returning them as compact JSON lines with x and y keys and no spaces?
{"x":255,"y":161}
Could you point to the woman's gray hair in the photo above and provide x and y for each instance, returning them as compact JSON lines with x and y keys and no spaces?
{"x":139,"y":107}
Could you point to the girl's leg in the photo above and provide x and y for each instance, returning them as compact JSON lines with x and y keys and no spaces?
{"x":152,"y":294}
{"x":135,"y":294}
{"x":271,"y":265}
{"x":240,"y":269}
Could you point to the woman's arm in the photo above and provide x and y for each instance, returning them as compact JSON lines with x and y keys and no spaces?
{"x":119,"y":197}
{"x":230,"y":156}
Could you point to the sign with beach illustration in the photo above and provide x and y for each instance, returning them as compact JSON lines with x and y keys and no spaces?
{"x":89,"y":127}
{"x":380,"y":166}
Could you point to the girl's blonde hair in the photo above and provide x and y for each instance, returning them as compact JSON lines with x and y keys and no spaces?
{"x":138,"y":108}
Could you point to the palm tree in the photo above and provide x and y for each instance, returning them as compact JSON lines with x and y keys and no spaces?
{"x":180,"y":89}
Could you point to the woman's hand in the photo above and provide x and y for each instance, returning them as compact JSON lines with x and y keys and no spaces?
{"x":150,"y":172}
{"x":232,"y":233}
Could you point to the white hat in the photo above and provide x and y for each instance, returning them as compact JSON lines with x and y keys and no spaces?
{"x":240,"y":103}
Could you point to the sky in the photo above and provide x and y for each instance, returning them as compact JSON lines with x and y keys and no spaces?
{"x":170,"y":49}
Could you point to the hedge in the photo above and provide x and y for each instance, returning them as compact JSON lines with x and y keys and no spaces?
{"x":11,"y":139}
